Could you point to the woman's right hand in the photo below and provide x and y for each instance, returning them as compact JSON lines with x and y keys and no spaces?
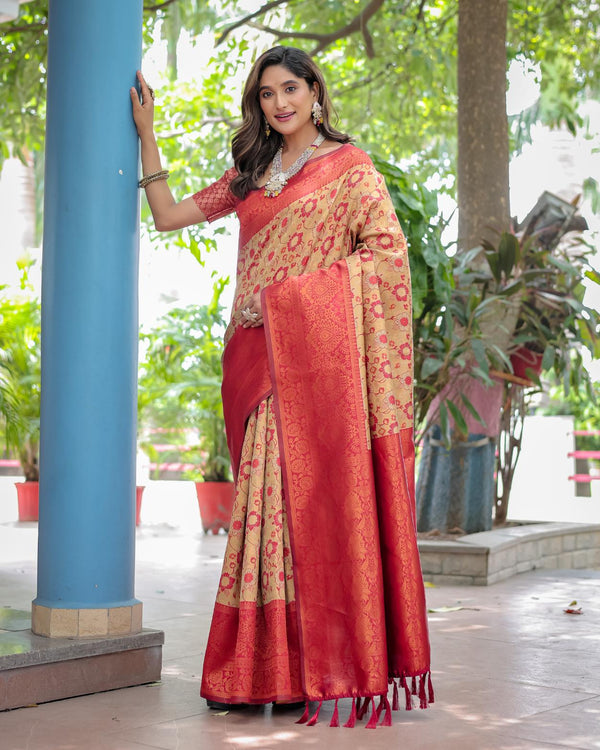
{"x":143,"y":111}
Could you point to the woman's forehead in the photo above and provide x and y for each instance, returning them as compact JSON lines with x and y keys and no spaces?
{"x":277,"y":75}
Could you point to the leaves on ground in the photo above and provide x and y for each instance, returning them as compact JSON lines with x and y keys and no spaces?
{"x":570,"y":610}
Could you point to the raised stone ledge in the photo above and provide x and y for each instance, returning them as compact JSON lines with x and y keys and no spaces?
{"x":25,"y":649}
{"x":491,"y":556}
{"x":34,"y":669}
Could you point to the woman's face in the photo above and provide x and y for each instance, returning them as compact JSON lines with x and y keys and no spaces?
{"x":286,"y":101}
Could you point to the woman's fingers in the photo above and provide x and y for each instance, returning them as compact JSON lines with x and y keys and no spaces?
{"x":135,"y":98}
{"x":251,"y":314}
{"x":146,"y":92}
{"x":143,"y":110}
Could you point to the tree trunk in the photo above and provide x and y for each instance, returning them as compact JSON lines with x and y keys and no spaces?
{"x":483,"y":188}
{"x":483,"y":210}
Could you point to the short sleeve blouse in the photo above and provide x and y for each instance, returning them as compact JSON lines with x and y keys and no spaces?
{"x":217,"y":200}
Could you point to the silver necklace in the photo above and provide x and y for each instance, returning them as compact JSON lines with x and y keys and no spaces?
{"x":278,"y":178}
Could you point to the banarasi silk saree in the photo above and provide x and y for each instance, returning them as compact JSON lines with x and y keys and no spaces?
{"x":321,"y":595}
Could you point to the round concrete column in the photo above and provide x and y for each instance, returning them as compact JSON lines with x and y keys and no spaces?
{"x":89,"y":323}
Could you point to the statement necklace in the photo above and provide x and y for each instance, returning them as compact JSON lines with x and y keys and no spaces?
{"x":278,"y":178}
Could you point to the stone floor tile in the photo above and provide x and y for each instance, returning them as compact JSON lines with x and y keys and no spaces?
{"x":511,"y":670}
{"x":574,"y":726}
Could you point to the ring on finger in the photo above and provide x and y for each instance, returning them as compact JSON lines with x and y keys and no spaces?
{"x":151,"y":90}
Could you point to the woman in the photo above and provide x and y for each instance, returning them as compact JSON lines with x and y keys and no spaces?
{"x":321,"y":595}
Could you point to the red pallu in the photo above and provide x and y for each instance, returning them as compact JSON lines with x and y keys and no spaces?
{"x":360,"y":605}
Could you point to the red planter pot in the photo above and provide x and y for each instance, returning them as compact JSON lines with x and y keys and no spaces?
{"x":524,"y":359}
{"x":28,"y":498}
{"x":215,"y":501}
{"x":139,"y":491}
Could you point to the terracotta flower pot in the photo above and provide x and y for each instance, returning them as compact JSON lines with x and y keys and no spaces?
{"x":523,"y":359}
{"x":215,"y":501}
{"x":28,"y":494}
{"x":139,"y":491}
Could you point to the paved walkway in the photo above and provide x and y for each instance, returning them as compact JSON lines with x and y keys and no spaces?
{"x":511,"y":670}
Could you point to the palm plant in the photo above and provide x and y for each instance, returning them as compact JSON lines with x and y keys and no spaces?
{"x":20,"y":325}
{"x":180,"y":381}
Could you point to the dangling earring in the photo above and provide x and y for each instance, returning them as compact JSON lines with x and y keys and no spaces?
{"x":267,"y":128}
{"x":317,"y":113}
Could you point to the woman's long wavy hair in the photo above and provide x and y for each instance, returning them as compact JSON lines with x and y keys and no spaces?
{"x":251,"y":149}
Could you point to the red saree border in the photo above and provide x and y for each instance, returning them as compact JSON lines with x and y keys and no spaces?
{"x":269,"y":672}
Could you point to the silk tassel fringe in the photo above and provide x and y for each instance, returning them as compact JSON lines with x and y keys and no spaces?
{"x":335,"y":719}
{"x":315,"y":717}
{"x":395,"y":699}
{"x":407,"y":694}
{"x":380,"y":706}
{"x":361,"y":711}
{"x":352,"y":719}
{"x":372,"y":723}
{"x":304,"y":718}
{"x":387,"y":719}
{"x":422,"y":687}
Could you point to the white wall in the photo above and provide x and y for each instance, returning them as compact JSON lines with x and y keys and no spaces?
{"x":541,"y":488}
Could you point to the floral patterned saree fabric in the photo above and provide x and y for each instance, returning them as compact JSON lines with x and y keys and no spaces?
{"x":321,"y":594}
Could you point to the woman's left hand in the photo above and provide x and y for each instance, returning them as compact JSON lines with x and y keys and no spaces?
{"x":251,"y":312}
{"x":143,"y":111}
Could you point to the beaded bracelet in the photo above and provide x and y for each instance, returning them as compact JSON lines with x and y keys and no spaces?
{"x":147,"y":179}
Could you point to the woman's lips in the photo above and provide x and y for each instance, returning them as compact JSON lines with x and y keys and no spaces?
{"x":285,"y":117}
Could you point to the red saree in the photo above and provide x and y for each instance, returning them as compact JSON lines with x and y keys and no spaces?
{"x":321,"y":595}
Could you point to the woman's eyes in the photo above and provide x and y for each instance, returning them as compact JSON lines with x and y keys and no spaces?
{"x":288,"y":90}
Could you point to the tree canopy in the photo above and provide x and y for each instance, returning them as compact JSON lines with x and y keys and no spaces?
{"x":391,"y":68}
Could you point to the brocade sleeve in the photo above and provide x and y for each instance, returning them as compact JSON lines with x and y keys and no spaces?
{"x":217,"y":200}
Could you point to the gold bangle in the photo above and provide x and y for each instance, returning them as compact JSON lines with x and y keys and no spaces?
{"x":147,"y":179}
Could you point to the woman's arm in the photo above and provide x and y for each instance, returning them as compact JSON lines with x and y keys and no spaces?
{"x":167,"y":213}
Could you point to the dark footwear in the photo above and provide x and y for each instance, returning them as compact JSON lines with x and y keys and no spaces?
{"x":225,"y":706}
{"x":288,"y":706}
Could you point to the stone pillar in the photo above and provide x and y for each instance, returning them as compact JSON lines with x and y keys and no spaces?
{"x":89,"y":324}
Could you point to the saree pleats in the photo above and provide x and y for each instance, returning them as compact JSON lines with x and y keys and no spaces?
{"x":253,"y":653}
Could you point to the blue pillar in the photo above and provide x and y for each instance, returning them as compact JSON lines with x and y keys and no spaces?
{"x":89,"y":310}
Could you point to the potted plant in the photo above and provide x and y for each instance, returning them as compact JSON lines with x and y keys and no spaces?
{"x":545,"y":264}
{"x":496,"y":314}
{"x":20,"y":372}
{"x":180,"y":387}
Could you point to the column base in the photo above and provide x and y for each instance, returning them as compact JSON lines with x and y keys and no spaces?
{"x":53,"y":622}
{"x":36,"y":670}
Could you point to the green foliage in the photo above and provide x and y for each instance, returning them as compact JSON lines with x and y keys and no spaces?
{"x":583,"y":406}
{"x":20,"y":374}
{"x":538,"y":271}
{"x":392,"y":72}
{"x":545,"y":268}
{"x":180,"y":381}
{"x":439,"y":344}
{"x":23,"y":53}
